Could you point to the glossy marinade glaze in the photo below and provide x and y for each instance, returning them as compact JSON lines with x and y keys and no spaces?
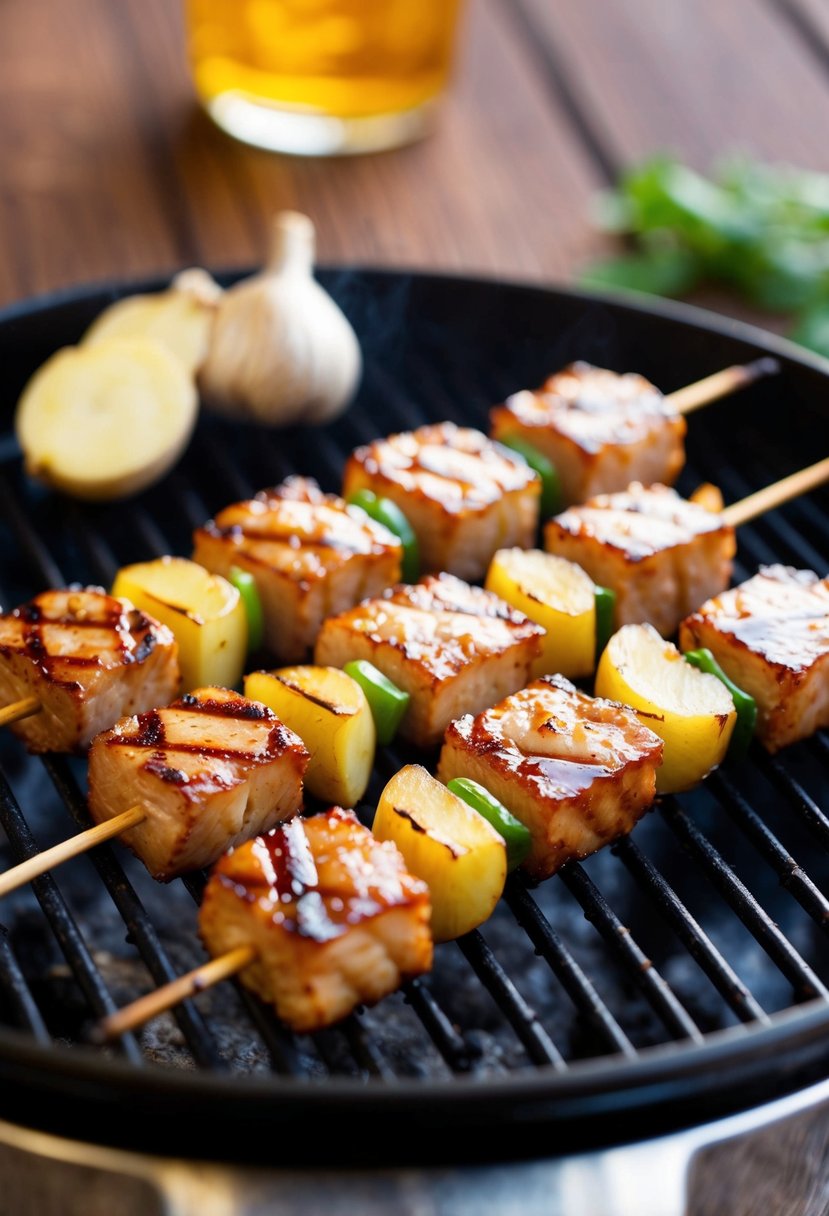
{"x":88,"y":658}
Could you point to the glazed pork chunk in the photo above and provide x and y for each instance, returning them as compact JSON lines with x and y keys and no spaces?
{"x":310,"y":554}
{"x":601,"y":430}
{"x":88,"y":658}
{"x":578,"y":771}
{"x":453,"y":647}
{"x":334,"y":918}
{"x":661,"y":554}
{"x":211,"y":770}
{"x":464,"y":495}
{"x":771,"y":636}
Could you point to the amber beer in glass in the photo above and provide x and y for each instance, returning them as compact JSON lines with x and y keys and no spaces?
{"x":317,"y":77}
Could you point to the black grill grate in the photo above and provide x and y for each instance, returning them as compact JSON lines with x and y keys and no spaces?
{"x":714,"y":913}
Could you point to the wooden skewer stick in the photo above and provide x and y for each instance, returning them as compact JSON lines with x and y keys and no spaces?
{"x":776,"y":494}
{"x":27,"y":870}
{"x":162,"y":999}
{"x":721,"y":384}
{"x":19,"y":709}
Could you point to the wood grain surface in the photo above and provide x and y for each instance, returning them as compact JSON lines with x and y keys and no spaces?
{"x":110,"y":170}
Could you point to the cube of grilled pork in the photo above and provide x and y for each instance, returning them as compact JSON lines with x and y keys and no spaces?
{"x":453,"y":647}
{"x":600,"y":429}
{"x":334,"y":918}
{"x":211,"y":770}
{"x":89,"y":659}
{"x":464,"y":495}
{"x":661,"y":554}
{"x":310,"y":554}
{"x":771,"y":636}
{"x":578,"y":771}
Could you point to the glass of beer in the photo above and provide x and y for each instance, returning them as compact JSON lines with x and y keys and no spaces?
{"x":319,"y":77}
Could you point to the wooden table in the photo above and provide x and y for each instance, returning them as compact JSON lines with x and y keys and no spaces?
{"x":110,"y":170}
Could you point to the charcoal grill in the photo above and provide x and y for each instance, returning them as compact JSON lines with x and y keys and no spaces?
{"x":677,"y":978}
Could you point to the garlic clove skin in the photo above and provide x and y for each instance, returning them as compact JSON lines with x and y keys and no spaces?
{"x":280,"y":350}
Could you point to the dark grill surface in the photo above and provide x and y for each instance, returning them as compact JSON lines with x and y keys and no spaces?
{"x":712,"y":915}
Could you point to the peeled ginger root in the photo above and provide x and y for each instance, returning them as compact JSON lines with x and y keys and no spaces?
{"x":105,"y":420}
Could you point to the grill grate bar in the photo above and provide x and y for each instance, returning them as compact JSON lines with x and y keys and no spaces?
{"x":280,"y":1044}
{"x":793,"y":791}
{"x":775,"y":943}
{"x":23,"y":1004}
{"x":188,"y":499}
{"x":791,"y":876}
{"x":698,"y":944}
{"x":355,"y":428}
{"x":408,"y":414}
{"x":809,"y":519}
{"x":275,"y":459}
{"x":523,"y":1019}
{"x":367,"y":1055}
{"x":63,"y":924}
{"x":518,"y":1013}
{"x":328,"y":1043}
{"x":429,"y":383}
{"x":98,"y":553}
{"x":799,"y":549}
{"x":235,"y":485}
{"x":140,"y":927}
{"x":33,"y":547}
{"x":449,"y":1043}
{"x":152,"y":540}
{"x":572,"y":978}
{"x":772,"y":526}
{"x":660,"y":995}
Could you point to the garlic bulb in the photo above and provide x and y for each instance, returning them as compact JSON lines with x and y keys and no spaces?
{"x":280,"y":350}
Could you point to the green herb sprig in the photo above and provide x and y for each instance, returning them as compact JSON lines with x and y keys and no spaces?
{"x":759,"y":230}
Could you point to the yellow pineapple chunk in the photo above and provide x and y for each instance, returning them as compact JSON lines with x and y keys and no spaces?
{"x":559,"y":596}
{"x":106,"y":420}
{"x":457,"y":853}
{"x":204,"y":611}
{"x":330,"y":713}
{"x":691,"y":710}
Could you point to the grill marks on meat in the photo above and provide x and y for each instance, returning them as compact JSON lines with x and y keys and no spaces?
{"x":453,"y":647}
{"x":89,"y":658}
{"x":335,"y":919}
{"x":771,"y":636}
{"x":464,"y":495}
{"x":600,"y":429}
{"x":661,"y":554}
{"x":211,"y":770}
{"x":579,"y":771}
{"x":310,"y":553}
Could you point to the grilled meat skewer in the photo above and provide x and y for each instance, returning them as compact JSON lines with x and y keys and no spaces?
{"x":183,"y":783}
{"x":317,"y":917}
{"x":77,"y":659}
{"x":602,"y":430}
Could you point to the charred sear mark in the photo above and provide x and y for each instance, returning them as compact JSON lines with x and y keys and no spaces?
{"x":238,"y":707}
{"x":28,"y":612}
{"x":144,"y":648}
{"x":33,"y":642}
{"x":150,"y":730}
{"x":157,"y":765}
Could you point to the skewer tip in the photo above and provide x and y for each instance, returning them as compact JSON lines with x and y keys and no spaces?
{"x":766,"y":365}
